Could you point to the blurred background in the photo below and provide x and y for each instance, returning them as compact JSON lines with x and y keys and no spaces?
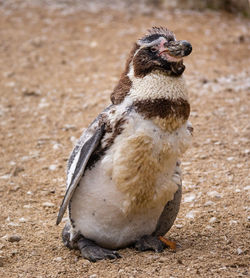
{"x":59,"y":62}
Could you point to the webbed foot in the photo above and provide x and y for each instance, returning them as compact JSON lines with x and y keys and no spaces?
{"x":92,"y":252}
{"x":149,"y":243}
{"x":66,"y":237}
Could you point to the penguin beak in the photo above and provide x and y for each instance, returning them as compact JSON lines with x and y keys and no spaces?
{"x":174,"y":51}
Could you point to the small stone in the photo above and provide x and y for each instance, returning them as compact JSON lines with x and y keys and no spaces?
{"x":230,"y":158}
{"x":203,"y":156}
{"x":189,"y":198}
{"x":232,"y":222}
{"x":5,"y":177}
{"x":209,"y":203}
{"x":246,"y":151}
{"x":13,"y":224}
{"x":28,"y":93}
{"x":14,"y":252}
{"x":93,"y":44}
{"x":93,"y":276}
{"x":179,"y":261}
{"x":212,"y":220}
{"x":239,"y":251}
{"x":14,"y":188}
{"x":56,"y":146}
{"x":191,"y":214}
{"x":48,"y":204}
{"x":69,"y":127}
{"x":14,"y":238}
{"x":22,"y":220}
{"x":58,"y":259}
{"x":121,"y":271}
{"x":214,"y":194}
{"x":52,"y":167}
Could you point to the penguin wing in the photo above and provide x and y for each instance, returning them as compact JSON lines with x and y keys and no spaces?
{"x":78,"y":165}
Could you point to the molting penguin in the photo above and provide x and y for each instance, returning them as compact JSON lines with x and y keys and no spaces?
{"x":123,"y":176}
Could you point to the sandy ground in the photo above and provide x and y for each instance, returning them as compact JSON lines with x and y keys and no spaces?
{"x":58,"y":66}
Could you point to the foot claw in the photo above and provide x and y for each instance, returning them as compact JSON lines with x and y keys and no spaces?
{"x":170,"y":244}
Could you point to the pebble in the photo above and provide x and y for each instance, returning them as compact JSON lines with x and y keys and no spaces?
{"x":56,"y":146}
{"x":230,"y":158}
{"x":69,"y":127}
{"x":13,"y":224}
{"x":189,"y":198}
{"x":191,"y":214}
{"x":209,"y":203}
{"x":14,"y":238}
{"x":214,"y":194}
{"x":48,"y":204}
{"x":14,"y":188}
{"x":93,"y":276}
{"x":93,"y":44}
{"x":5,"y":177}
{"x":58,"y":259}
{"x":231,"y":222}
{"x":52,"y":167}
{"x":22,"y":220}
{"x":239,"y":251}
{"x":212,"y":220}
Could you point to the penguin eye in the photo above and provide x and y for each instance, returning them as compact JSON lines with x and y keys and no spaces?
{"x":154,"y":49}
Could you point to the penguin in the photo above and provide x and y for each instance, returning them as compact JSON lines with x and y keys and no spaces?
{"x":124,"y":179}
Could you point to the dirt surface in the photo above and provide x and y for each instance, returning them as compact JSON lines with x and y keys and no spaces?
{"x":58,"y":65}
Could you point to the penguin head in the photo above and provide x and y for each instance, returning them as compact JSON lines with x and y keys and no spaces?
{"x":159,"y":50}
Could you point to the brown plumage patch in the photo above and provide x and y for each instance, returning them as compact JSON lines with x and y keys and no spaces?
{"x":124,"y":84}
{"x":163,"y":108}
{"x":118,"y":128}
{"x":168,"y":124}
{"x":135,"y":173}
{"x":123,"y":87}
{"x":121,"y":90}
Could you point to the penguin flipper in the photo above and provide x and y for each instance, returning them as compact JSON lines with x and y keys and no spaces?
{"x":78,"y":166}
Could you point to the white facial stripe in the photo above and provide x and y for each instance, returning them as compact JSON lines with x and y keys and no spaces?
{"x":158,"y":41}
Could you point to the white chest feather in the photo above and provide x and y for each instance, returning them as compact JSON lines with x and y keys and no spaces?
{"x":157,"y":85}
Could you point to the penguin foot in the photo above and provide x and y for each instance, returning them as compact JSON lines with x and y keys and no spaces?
{"x":66,"y":237}
{"x":149,"y":243}
{"x":92,"y":252}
